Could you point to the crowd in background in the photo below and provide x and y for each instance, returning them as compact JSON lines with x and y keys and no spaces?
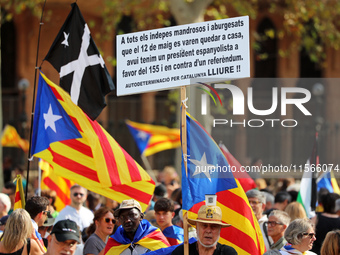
{"x":285,"y":227}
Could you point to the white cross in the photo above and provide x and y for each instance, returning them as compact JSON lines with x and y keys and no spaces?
{"x":78,"y":66}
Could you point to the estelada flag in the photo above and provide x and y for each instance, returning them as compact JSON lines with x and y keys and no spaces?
{"x":82,"y":70}
{"x":19,"y":194}
{"x":51,"y":181}
{"x":208,"y":172}
{"x":80,"y":150}
{"x":243,"y":177}
{"x":11,"y":138}
{"x":148,"y":236}
{"x":151,"y":139}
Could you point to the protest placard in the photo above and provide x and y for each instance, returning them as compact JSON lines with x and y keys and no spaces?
{"x":177,"y":56}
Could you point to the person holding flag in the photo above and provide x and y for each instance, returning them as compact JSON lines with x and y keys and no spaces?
{"x":208,"y":227}
{"x":134,"y":235}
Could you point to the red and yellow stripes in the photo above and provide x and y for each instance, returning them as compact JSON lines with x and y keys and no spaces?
{"x":19,"y":200}
{"x":96,"y":161}
{"x":54,"y":182}
{"x":245,"y":234}
{"x":153,"y":241}
{"x":11,"y":138}
{"x":162,"y":138}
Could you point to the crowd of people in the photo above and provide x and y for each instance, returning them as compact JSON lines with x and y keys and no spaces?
{"x":92,"y":225}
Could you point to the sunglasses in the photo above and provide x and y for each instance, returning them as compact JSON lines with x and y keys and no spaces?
{"x":78,"y":194}
{"x":47,"y":212}
{"x":311,"y":235}
{"x":107,"y":220}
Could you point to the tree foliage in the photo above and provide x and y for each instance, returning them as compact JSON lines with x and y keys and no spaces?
{"x":314,"y":25}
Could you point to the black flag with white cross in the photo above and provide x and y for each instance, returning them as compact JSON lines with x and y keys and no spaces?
{"x":81,"y":67}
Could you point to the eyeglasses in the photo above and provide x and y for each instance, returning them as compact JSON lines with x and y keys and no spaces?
{"x":46,"y":212}
{"x":254,"y":202}
{"x":78,"y":194}
{"x":130,"y":216}
{"x":311,"y":235}
{"x":273,"y":223}
{"x":107,"y":220}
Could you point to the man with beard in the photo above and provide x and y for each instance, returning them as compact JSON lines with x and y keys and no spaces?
{"x":134,"y":235}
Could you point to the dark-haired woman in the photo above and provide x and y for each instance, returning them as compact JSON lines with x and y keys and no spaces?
{"x":99,"y":231}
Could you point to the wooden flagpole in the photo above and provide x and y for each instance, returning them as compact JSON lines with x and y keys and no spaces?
{"x":148,"y":167}
{"x":184,"y":150}
{"x":33,"y":101}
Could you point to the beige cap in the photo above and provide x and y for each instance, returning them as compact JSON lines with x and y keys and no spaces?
{"x":128,"y":204}
{"x":209,"y":214}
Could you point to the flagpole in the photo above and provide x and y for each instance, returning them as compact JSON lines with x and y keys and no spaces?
{"x":184,"y":150}
{"x":33,"y":101}
{"x":148,"y":167}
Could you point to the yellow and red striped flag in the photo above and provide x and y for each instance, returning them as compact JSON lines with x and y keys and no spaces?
{"x":11,"y":138}
{"x":151,"y":139}
{"x":209,"y":172}
{"x":80,"y":150}
{"x":19,"y":194}
{"x":60,"y":185}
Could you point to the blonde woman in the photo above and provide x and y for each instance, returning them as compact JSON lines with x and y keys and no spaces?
{"x":295,"y":211}
{"x":16,"y":237}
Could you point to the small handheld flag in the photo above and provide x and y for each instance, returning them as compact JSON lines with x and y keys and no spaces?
{"x":19,"y":194}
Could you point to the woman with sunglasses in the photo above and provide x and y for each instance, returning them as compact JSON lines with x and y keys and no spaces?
{"x":300,"y":236}
{"x":102,"y":227}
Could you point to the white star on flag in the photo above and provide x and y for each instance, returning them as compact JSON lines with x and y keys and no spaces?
{"x":50,"y":119}
{"x":65,"y":42}
{"x":142,"y":135}
{"x":202,"y":166}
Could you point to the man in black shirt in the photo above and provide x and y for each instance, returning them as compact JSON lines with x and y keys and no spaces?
{"x":208,"y":228}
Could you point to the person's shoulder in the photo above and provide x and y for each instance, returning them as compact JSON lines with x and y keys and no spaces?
{"x":310,"y":253}
{"x":177,"y":227}
{"x":179,"y":250}
{"x":65,"y":210}
{"x":272,"y":252}
{"x":226,"y":249}
{"x":86,"y":210}
{"x":174,"y":229}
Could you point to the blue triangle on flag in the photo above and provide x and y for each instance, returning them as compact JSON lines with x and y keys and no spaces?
{"x":142,"y":138}
{"x":51,"y":122}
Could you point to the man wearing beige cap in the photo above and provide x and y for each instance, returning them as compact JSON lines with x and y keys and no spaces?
{"x":134,"y":235}
{"x":208,"y":228}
